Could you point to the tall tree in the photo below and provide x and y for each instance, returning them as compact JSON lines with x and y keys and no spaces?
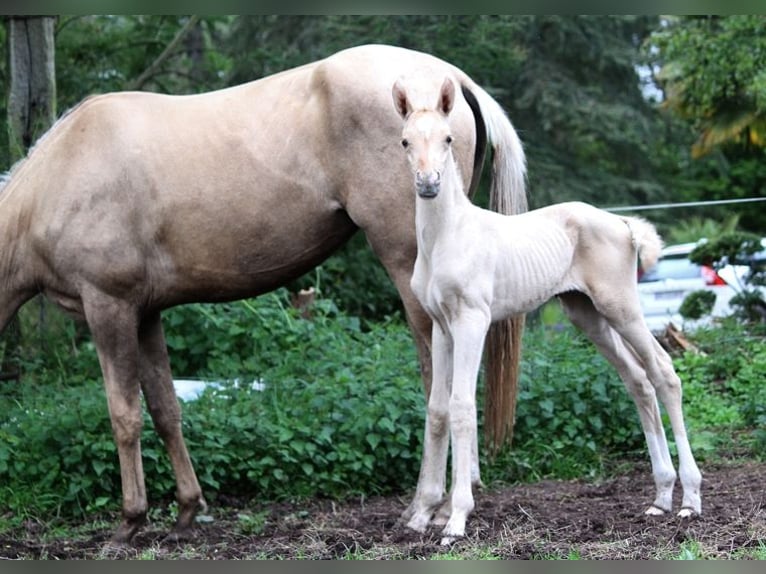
{"x":31,"y":111}
{"x":169,"y":54}
{"x":713,"y":71}
{"x":590,"y":132}
{"x":32,"y":86}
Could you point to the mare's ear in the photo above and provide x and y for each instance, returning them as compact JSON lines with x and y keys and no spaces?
{"x":401,"y":103}
{"x":446,"y":97}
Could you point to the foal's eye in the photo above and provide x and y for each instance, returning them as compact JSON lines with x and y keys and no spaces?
{"x":449,"y":139}
{"x":405,"y":144}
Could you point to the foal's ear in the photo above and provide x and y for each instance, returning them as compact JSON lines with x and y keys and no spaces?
{"x":446,"y":97}
{"x":401,"y":103}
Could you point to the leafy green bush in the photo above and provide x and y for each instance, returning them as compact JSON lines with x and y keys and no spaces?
{"x":697,"y":304}
{"x":342,"y":410}
{"x":572,"y":410}
{"x":724,"y":394}
{"x":737,"y":248}
{"x":355,"y":279}
{"x":342,"y":413}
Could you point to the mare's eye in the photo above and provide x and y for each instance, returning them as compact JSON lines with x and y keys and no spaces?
{"x":405,"y":144}
{"x":449,"y":139}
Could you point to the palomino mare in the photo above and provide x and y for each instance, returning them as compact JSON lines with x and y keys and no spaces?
{"x":135,"y":202}
{"x":475,"y":266}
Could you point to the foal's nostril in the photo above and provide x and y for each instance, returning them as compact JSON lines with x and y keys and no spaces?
{"x":428,"y":178}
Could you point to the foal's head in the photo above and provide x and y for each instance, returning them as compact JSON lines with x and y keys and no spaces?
{"x":426,"y":137}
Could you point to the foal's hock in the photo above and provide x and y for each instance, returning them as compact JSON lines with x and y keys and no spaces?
{"x":474,"y":267}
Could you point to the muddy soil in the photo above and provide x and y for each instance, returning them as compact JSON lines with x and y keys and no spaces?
{"x":548,"y":519}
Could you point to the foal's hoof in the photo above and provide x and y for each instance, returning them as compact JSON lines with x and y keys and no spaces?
{"x":449,"y":540}
{"x":419,"y":523}
{"x":655,"y":511}
{"x":687,"y":512}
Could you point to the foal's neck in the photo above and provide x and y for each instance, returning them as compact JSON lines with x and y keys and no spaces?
{"x":432,"y":216}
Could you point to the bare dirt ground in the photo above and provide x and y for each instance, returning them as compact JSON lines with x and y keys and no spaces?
{"x":549,"y":519}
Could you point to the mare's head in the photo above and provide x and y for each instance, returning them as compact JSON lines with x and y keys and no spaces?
{"x":426,"y":136}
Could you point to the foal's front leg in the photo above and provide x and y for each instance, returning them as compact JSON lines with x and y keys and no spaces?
{"x":433,"y":467}
{"x":469,"y":329}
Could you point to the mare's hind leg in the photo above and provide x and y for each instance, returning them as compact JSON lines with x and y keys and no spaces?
{"x":583,"y":314}
{"x":114,"y":326}
{"x":157,"y":385}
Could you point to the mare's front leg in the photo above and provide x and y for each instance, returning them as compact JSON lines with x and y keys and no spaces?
{"x":157,"y":385}
{"x":114,"y":326}
{"x":469,"y":329}
{"x":430,"y":490}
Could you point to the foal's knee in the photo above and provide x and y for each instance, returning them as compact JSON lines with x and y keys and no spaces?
{"x":438,"y":420}
{"x":462,"y":414}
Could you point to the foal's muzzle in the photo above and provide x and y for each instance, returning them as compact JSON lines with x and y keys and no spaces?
{"x":428,"y":184}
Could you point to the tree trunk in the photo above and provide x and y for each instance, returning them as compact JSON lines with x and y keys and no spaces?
{"x":32,"y":94}
{"x":31,"y":111}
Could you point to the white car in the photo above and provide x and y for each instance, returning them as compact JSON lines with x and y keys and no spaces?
{"x":663,"y":288}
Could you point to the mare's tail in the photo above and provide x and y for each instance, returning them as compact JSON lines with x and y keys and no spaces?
{"x":507,"y":195}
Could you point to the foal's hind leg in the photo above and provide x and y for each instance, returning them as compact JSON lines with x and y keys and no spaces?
{"x":583,"y":314}
{"x":161,"y":400}
{"x":662,"y":375}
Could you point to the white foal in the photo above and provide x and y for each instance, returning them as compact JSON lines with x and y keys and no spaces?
{"x":475,"y":266}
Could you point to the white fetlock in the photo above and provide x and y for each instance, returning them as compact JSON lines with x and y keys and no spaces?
{"x":419,"y":522}
{"x":442,"y":515}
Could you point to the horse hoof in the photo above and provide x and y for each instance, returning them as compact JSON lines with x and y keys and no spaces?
{"x":449,"y":540}
{"x":418,"y":523}
{"x":687,"y":512}
{"x":655,"y":511}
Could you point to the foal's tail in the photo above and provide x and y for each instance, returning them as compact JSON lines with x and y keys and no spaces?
{"x":508,"y":196}
{"x":645,"y":238}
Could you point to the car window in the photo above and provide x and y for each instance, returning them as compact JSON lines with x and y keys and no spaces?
{"x":671,"y":268}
